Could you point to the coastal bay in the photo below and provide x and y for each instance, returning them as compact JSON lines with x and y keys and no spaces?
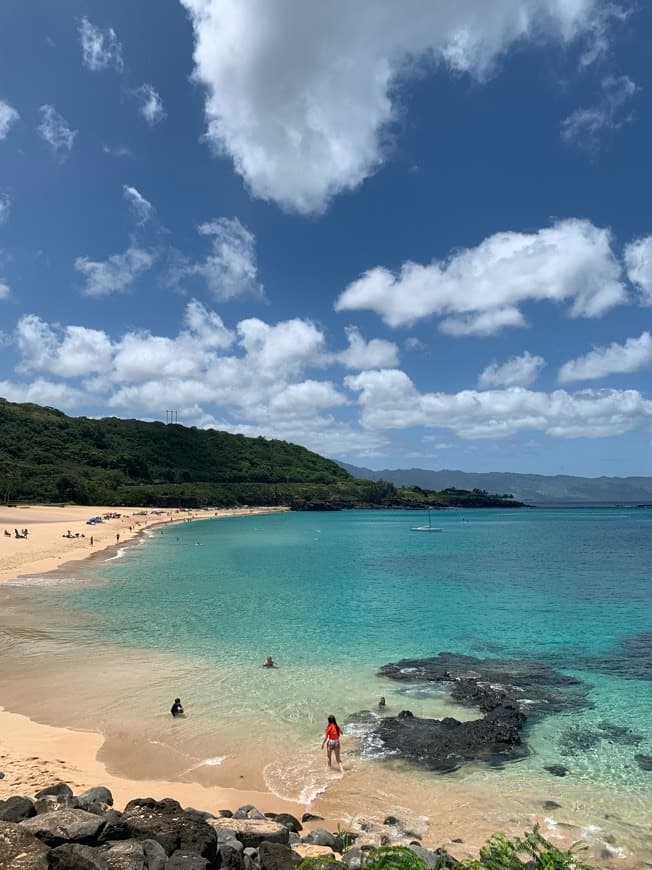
{"x":334,"y":597}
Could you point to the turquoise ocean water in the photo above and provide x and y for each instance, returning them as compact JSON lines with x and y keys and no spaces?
{"x":197,"y":606}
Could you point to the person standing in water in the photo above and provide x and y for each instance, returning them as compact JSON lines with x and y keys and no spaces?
{"x":177,"y":708}
{"x":332,"y":741}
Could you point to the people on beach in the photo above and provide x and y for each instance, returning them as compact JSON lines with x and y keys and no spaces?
{"x":177,"y":708}
{"x":381,"y":702}
{"x":331,"y":740}
{"x":269,"y":662}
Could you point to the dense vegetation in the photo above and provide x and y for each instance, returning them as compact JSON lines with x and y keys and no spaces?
{"x":46,"y":456}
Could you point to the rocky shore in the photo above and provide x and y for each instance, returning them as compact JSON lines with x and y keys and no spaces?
{"x":506,"y":694}
{"x":58,"y":830}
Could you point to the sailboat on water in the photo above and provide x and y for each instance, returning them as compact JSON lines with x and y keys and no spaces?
{"x":428,"y":528}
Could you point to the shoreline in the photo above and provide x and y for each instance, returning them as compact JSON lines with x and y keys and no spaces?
{"x":47,"y":547}
{"x":35,"y":755}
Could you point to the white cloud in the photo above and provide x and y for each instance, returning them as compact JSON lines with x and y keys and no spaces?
{"x":230,"y":271}
{"x":586,"y":127}
{"x":4,"y":290}
{"x":101,"y":48}
{"x":638,"y":259}
{"x":487,"y":323}
{"x":5,"y":207}
{"x":282,"y":350}
{"x":389,"y":400}
{"x":634,"y":354}
{"x":42,"y":392}
{"x":481,"y":287}
{"x":151,"y":104}
{"x":116,"y":274}
{"x":81,"y":352}
{"x":300,"y":95}
{"x":361,"y":354}
{"x":55,"y":131}
{"x":519,"y":371}
{"x":8,"y":117}
{"x":141,"y":207}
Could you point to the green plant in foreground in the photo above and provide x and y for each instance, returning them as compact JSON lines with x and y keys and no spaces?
{"x":531,"y":851}
{"x":501,"y":853}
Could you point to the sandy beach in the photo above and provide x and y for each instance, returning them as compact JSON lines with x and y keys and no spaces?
{"x":61,"y":534}
{"x":34,"y":755}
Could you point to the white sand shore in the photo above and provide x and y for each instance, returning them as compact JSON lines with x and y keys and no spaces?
{"x":47,"y":547}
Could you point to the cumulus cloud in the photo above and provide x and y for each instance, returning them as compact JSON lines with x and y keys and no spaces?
{"x":8,"y":117}
{"x":54,"y":130}
{"x":141,"y":207}
{"x":101,"y":48}
{"x":151,"y":104}
{"x":362,"y":354}
{"x":300,"y":95}
{"x":480,"y":288}
{"x":230,"y":270}
{"x":389,"y":400}
{"x":5,"y":207}
{"x":638,"y":260}
{"x":634,"y":354}
{"x":81,"y":351}
{"x":115,"y":274}
{"x":585,"y":128}
{"x":43,"y":392}
{"x":519,"y":371}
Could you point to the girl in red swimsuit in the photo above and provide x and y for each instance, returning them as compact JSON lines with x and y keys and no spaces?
{"x":332,"y":740}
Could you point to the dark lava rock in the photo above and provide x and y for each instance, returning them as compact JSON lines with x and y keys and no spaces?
{"x":65,"y":826}
{"x":134,"y":855}
{"x":250,"y":832}
{"x":556,"y":769}
{"x":115,"y":828}
{"x":275,"y":856}
{"x":230,"y":858}
{"x":322,"y":837}
{"x":288,"y":821}
{"x":433,"y":857}
{"x":175,"y":829}
{"x":630,"y":659}
{"x":97,"y":795}
{"x":310,"y":817}
{"x":391,"y":820}
{"x":74,"y":856}
{"x":187,"y":861}
{"x":59,"y":789}
{"x":551,"y":805}
{"x":619,"y":734}
{"x":225,"y":814}
{"x":644,"y":761}
{"x":487,"y":683}
{"x":443,"y":745}
{"x":575,"y":740}
{"x":17,"y":808}
{"x":248,"y":811}
{"x":51,"y":803}
{"x":20,"y":850}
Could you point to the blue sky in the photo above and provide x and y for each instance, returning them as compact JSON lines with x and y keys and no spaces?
{"x":412,"y":234}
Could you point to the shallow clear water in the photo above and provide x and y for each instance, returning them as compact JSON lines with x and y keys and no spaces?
{"x":195,"y":609}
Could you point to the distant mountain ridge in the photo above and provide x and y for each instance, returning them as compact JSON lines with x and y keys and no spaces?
{"x":535,"y":489}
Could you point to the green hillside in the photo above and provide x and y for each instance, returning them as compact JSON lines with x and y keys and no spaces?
{"x":46,"y":456}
